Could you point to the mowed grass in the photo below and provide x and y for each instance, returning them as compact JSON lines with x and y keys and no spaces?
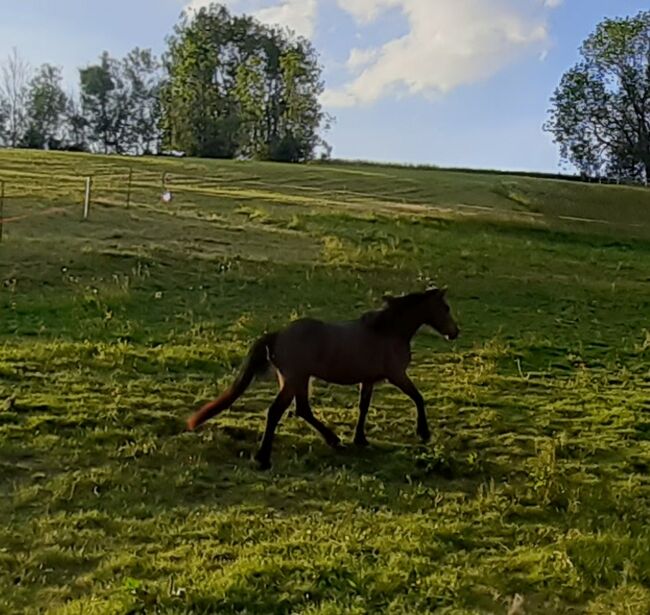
{"x":114,"y":329}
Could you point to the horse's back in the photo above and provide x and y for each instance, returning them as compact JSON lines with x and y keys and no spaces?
{"x":344,"y":352}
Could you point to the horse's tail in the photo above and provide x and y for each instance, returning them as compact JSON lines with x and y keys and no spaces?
{"x":256,"y":363}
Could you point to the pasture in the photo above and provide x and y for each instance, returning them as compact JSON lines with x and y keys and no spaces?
{"x":113,"y":330}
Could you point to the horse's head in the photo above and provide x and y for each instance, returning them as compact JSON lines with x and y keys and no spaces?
{"x":437,"y":313}
{"x":427,"y":308}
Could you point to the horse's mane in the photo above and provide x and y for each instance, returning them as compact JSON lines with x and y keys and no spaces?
{"x":380,"y":320}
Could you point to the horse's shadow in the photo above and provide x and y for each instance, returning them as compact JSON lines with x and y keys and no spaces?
{"x":306,"y":470}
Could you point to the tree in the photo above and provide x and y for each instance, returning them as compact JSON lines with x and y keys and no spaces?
{"x":46,"y":105}
{"x":120,"y":103}
{"x":141,"y":75}
{"x":13,"y":92}
{"x":237,"y":87}
{"x":199,"y":114}
{"x":600,"y":114}
{"x":4,"y":120}
{"x":301,"y":116}
{"x":104,"y":105}
{"x":249,"y":91}
{"x":75,"y":126}
{"x":278,"y":99}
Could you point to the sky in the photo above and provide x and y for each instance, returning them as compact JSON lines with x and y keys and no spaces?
{"x":447,"y":82}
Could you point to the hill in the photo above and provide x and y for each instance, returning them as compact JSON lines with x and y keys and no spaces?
{"x":115,"y":328}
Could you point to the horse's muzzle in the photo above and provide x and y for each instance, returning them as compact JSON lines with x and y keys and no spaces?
{"x":453,"y":335}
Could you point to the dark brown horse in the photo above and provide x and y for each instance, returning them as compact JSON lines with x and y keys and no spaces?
{"x":365,"y":351}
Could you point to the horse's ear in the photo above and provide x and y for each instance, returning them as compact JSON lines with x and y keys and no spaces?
{"x":438,"y":292}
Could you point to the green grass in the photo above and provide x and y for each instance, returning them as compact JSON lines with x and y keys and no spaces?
{"x":114,"y":329}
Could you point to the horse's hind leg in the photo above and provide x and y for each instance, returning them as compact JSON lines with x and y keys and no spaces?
{"x":303,"y":410}
{"x":404,"y":384}
{"x":364,"y":403}
{"x":276,"y":410}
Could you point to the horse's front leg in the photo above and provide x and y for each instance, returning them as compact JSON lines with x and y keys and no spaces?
{"x":404,"y":384}
{"x":364,"y":403}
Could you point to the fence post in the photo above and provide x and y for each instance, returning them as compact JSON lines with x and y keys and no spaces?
{"x":128,"y":188}
{"x":2,"y":206}
{"x":87,"y":197}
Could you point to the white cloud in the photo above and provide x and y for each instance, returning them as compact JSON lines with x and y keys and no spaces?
{"x":195,"y":5}
{"x":366,"y":11}
{"x":299,"y":15}
{"x":359,"y":58}
{"x":450,"y":43}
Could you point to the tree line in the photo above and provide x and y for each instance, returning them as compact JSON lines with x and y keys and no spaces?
{"x":227,"y":86}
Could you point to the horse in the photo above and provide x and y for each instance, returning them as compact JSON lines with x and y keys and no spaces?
{"x":373,"y":348}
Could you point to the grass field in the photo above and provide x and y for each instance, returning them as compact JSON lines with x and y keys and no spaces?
{"x":536,"y":482}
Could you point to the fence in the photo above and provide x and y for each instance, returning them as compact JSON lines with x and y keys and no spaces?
{"x":21,"y":193}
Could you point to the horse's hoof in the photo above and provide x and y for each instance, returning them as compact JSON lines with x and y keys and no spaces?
{"x":425,"y":436}
{"x":262,"y":464}
{"x":361,"y":441}
{"x":333,"y":441}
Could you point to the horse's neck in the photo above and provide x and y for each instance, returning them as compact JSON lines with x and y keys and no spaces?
{"x":407,"y":328}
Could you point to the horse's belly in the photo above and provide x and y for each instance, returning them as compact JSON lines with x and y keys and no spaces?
{"x":346,"y":377}
{"x":350,"y":364}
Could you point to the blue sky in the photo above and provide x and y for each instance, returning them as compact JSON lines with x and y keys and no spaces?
{"x":447,"y":82}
